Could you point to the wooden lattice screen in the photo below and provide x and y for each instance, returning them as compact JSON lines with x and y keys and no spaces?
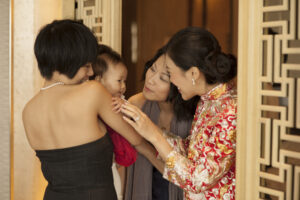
{"x":268,"y":152}
{"x":279,"y":93}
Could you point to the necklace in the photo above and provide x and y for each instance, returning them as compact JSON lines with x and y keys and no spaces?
{"x":52,"y":85}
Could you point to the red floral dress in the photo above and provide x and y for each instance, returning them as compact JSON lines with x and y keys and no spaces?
{"x":203,"y":164}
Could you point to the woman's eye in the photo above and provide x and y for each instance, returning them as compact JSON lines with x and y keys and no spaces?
{"x":165,"y":78}
{"x":152,"y":69}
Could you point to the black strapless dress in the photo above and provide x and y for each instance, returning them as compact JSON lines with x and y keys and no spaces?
{"x":79,"y":173}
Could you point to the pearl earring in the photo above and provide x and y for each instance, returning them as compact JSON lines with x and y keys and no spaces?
{"x":193,"y":81}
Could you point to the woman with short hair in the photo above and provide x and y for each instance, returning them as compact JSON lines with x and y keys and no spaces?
{"x":61,"y":120}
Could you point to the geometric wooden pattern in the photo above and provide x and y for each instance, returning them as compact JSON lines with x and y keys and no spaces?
{"x":91,"y":12}
{"x":279,"y":100}
{"x":104,"y":18}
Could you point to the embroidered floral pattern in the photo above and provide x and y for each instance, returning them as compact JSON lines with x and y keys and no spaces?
{"x":204,"y":163}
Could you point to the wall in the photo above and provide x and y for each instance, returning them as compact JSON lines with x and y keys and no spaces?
{"x":29,"y":15}
{"x":5,"y":113}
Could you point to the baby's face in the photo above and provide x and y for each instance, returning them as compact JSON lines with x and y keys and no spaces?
{"x":114,"y":79}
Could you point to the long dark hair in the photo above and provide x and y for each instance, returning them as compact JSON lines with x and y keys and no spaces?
{"x":183,"y":110}
{"x":194,"y":46}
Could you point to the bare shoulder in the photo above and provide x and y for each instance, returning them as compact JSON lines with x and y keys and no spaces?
{"x":91,"y":86}
{"x":92,"y":89}
{"x":137,"y":100}
{"x":27,"y":110}
{"x":94,"y":93}
{"x":28,"y":115}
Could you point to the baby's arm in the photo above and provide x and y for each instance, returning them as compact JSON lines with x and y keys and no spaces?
{"x":102,"y":101}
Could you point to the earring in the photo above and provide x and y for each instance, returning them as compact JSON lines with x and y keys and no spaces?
{"x":193,"y":81}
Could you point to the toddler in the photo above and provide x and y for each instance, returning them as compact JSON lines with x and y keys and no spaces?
{"x":110,"y":70}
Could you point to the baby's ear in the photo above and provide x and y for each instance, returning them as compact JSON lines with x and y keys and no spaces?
{"x":98,"y":78}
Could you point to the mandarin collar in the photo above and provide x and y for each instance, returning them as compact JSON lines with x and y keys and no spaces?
{"x":218,"y":91}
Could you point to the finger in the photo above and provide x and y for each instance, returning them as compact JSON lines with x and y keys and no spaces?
{"x":115,"y":102}
{"x":117,"y":110}
{"x":128,"y":113}
{"x":129,"y":121}
{"x":132,"y":108}
{"x":116,"y":107}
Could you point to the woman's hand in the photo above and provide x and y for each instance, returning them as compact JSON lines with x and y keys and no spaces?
{"x":140,"y":122}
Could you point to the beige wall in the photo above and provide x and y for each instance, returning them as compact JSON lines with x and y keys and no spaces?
{"x":29,"y":16}
{"x":4,"y":100}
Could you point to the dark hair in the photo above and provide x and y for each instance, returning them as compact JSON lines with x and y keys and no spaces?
{"x":64,"y":46}
{"x":183,"y":110}
{"x":198,"y":47}
{"x":105,"y":53}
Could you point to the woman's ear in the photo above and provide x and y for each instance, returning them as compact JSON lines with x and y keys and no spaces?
{"x":194,"y":73}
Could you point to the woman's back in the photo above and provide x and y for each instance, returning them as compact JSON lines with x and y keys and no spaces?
{"x":75,"y":152}
{"x":61,"y":117}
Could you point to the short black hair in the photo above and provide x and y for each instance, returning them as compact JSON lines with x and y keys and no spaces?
{"x":194,"y":46}
{"x":183,"y":110}
{"x":64,"y":46}
{"x":105,"y":53}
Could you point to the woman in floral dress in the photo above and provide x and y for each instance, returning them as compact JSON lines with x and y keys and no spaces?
{"x":203,"y":164}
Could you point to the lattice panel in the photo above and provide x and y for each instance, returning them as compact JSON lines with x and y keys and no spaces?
{"x":279,"y":159}
{"x":91,"y":12}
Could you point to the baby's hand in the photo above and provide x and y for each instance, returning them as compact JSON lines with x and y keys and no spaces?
{"x":117,"y":102}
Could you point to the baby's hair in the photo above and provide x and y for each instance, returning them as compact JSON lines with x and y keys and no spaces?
{"x":105,"y":55}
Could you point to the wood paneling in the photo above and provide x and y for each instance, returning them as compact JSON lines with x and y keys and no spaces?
{"x":220,"y":18}
{"x":156,"y":22}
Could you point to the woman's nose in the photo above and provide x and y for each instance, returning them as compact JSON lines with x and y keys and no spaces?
{"x":152,"y":79}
